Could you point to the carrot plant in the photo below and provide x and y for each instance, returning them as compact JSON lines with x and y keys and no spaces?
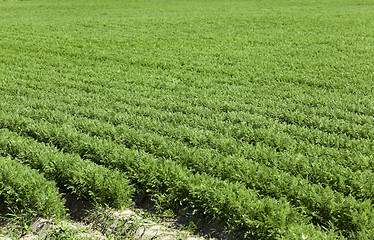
{"x":84,"y":178}
{"x":24,"y":189}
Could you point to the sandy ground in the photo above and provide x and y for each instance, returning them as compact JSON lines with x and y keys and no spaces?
{"x":141,"y":229}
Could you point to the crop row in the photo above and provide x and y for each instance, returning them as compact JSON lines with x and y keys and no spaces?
{"x":174,"y":185}
{"x":24,"y":189}
{"x":303,"y":94}
{"x":235,"y":123}
{"x":339,"y":177}
{"x":82,"y":177}
{"x":320,"y":202}
{"x":304,"y":116}
{"x":254,"y":129}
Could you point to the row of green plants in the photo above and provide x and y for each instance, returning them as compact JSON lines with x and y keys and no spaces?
{"x":24,"y":189}
{"x":268,"y":108}
{"x":84,"y":178}
{"x":322,"y":203}
{"x":340,"y":177}
{"x":201,"y":131}
{"x":350,"y":162}
{"x":174,"y":186}
{"x":313,"y":104}
{"x":265,"y":105}
{"x":277,"y":136}
{"x":240,"y":125}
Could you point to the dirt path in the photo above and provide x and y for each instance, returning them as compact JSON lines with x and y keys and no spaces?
{"x":112,"y":223}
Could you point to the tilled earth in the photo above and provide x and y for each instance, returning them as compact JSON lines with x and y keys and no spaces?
{"x":137,"y":228}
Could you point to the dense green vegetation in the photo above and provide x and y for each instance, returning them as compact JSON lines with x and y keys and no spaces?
{"x":24,"y":188}
{"x":257,"y":114}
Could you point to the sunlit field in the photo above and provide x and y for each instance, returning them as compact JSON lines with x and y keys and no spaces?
{"x":254,"y":114}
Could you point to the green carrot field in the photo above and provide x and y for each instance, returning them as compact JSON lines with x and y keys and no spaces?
{"x":258,"y":114}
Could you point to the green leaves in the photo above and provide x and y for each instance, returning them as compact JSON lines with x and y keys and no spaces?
{"x":24,"y":188}
{"x":222,"y":200}
{"x":82,"y":177}
{"x":257,"y":113}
